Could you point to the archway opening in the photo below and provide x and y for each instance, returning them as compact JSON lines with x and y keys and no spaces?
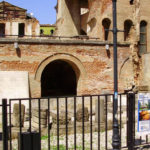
{"x":58,"y":79}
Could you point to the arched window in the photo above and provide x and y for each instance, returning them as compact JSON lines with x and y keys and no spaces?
{"x":127,"y":28}
{"x":143,"y":37}
{"x":106,"y":25}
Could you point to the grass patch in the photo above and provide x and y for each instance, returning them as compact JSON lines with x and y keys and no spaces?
{"x":61,"y":147}
{"x":44,"y":137}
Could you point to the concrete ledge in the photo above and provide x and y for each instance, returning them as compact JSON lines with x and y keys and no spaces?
{"x":60,"y":41}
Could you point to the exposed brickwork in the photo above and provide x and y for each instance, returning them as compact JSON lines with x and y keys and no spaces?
{"x":19,"y":66}
{"x":97,"y":65}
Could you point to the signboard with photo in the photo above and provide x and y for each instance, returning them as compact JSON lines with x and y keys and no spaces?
{"x":144,"y":112}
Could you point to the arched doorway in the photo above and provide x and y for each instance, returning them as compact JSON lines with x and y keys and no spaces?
{"x":58,"y":79}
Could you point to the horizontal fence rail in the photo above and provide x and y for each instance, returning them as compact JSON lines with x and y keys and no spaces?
{"x":65,"y":123}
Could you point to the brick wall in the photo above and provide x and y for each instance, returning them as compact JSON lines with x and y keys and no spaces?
{"x":91,"y":62}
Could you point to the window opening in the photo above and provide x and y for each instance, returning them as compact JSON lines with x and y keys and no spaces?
{"x":21,"y":29}
{"x":143,"y":37}
{"x":106,"y":25}
{"x":2,"y":29}
{"x":127,"y":28}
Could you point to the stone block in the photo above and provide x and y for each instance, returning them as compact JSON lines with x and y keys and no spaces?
{"x":43,"y":113}
{"x":99,"y":110}
{"x":36,"y":125}
{"x":62,"y":118}
{"x":70,"y":128}
{"x":42,"y":121}
{"x":79,"y":115}
{"x":16,"y":115}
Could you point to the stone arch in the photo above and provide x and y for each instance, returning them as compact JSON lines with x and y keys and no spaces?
{"x":72,"y":61}
{"x":126,"y":74}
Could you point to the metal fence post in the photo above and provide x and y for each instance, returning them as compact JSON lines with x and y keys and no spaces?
{"x":4,"y":122}
{"x":131,"y":121}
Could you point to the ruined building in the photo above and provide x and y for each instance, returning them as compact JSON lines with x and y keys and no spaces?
{"x":78,"y":58}
{"x":15,"y":21}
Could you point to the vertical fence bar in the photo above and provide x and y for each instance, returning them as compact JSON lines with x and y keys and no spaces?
{"x":146,"y":139}
{"x":134,"y":113}
{"x":39,"y":108}
{"x":106,"y":123}
{"x":30,"y":115}
{"x":91,"y":135}
{"x":4,"y":121}
{"x":120,"y":119}
{"x":48,"y":123}
{"x":20,"y":114}
{"x":10,"y":144}
{"x":83,"y":122}
{"x":57,"y":123}
{"x":74,"y":123}
{"x":66,"y":107}
{"x":98,"y":123}
{"x":127,"y":111}
{"x":131,"y":121}
{"x":140,"y":140}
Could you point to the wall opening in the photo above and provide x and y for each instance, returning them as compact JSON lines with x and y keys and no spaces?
{"x":58,"y":79}
{"x":2,"y":29}
{"x":21,"y":29}
{"x":106,"y":25}
{"x":41,"y":31}
{"x":127,"y":28}
{"x":143,"y":37}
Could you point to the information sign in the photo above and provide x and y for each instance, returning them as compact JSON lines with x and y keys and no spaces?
{"x":144,"y":112}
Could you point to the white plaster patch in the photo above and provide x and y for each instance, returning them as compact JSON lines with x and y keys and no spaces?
{"x":14,"y":84}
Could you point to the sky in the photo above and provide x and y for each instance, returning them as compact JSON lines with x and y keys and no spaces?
{"x":43,"y":10}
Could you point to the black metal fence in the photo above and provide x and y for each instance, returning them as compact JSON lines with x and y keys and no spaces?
{"x":69,"y":123}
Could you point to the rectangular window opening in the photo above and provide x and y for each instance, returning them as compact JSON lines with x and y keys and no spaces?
{"x":21,"y":29}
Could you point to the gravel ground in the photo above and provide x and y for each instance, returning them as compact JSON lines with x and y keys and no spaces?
{"x":62,"y":141}
{"x":79,"y":144}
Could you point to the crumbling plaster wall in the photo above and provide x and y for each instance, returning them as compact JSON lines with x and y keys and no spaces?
{"x":135,"y":13}
{"x":144,"y":15}
{"x":93,"y":18}
{"x":92,"y":62}
{"x":68,"y":18}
